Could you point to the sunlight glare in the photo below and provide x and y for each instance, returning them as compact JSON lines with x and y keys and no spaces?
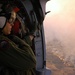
{"x":53,"y":6}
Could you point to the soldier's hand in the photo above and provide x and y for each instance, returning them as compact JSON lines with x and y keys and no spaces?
{"x":31,"y":37}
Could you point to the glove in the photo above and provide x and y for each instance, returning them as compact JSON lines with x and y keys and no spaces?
{"x":31,"y":30}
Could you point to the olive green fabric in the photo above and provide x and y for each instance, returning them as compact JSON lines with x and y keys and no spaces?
{"x":17,"y":59}
{"x":28,"y":40}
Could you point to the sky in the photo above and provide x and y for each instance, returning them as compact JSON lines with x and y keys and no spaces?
{"x":60,"y":24}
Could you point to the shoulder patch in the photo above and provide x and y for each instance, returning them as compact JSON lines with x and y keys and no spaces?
{"x":4,"y":44}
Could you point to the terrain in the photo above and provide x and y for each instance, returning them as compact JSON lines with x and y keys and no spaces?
{"x":55,"y":61}
{"x":57,"y":66}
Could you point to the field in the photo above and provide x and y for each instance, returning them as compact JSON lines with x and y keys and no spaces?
{"x":56,"y":54}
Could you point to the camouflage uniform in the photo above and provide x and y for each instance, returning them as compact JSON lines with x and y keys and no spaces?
{"x":16,"y":57}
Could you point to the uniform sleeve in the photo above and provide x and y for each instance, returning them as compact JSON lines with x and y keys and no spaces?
{"x":24,"y":40}
{"x":27,"y":40}
{"x":14,"y":57}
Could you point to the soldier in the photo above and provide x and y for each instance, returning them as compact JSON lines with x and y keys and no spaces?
{"x":16,"y":56}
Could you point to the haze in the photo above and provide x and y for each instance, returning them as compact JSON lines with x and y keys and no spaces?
{"x":60,"y":24}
